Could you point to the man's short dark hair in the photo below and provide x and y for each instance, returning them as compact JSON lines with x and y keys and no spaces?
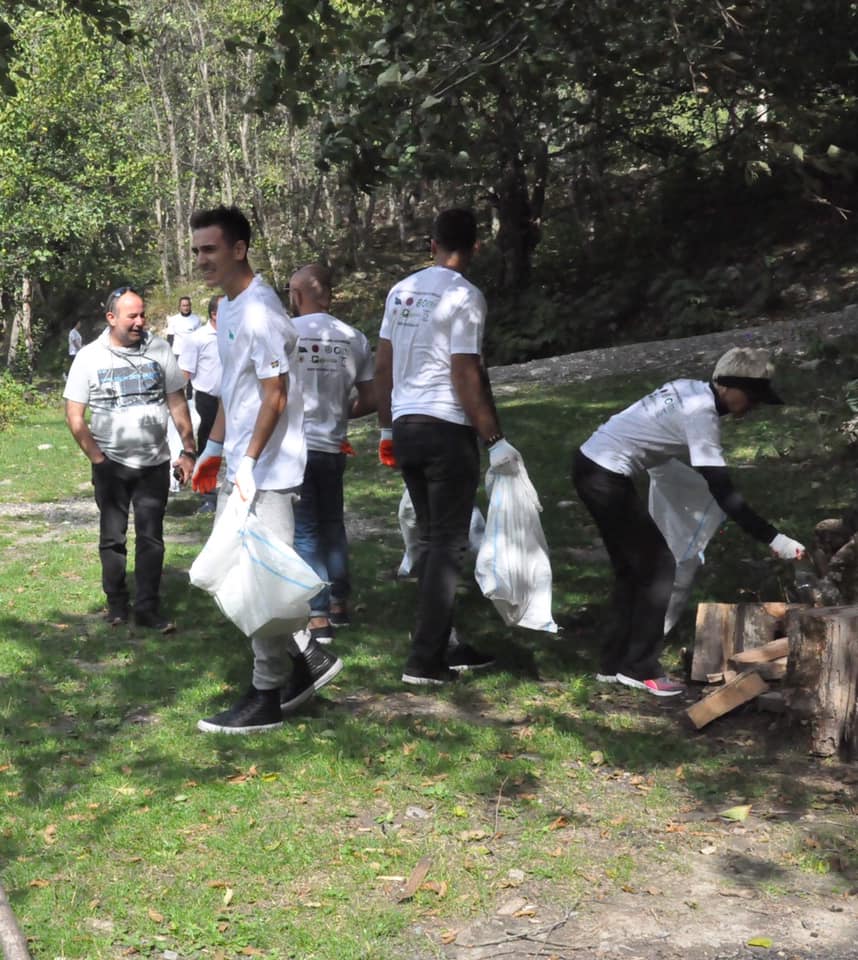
{"x":455,"y":230}
{"x":182,"y":299}
{"x":215,"y":300}
{"x":231,"y":220}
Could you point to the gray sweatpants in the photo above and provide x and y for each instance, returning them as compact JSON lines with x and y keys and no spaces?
{"x":274,"y":646}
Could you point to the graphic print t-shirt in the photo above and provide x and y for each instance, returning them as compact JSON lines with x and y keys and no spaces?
{"x":126,"y":390}
{"x":428,"y":317}
{"x":677,"y":420}
{"x":332,"y":358}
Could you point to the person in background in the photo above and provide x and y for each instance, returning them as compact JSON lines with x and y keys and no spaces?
{"x":434,"y":402}
{"x":333,"y":360}
{"x":200,"y":363}
{"x":179,"y":326}
{"x":131,"y":383}
{"x":75,"y":343}
{"x":259,"y":429}
{"x":681,"y":419}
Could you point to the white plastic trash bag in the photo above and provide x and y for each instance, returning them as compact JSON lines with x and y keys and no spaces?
{"x":688,"y":517}
{"x":410,"y":536}
{"x":513,"y":569}
{"x":254,"y":576}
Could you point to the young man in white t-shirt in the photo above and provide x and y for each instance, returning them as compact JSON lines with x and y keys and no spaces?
{"x":259,"y":429}
{"x":334,"y":362}
{"x":434,"y":401}
{"x":680,"y":419}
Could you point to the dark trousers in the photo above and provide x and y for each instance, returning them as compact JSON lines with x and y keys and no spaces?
{"x":320,"y":531}
{"x":207,"y":409}
{"x":117,"y":488}
{"x":440,"y":464}
{"x":644,"y":569}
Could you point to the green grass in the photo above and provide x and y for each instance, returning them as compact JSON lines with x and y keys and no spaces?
{"x":125,"y":832}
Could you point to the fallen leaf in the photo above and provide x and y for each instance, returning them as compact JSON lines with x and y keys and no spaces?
{"x":39,"y":883}
{"x":227,"y":896}
{"x":449,"y":936}
{"x":736,"y":814}
{"x":511,"y":907}
{"x":708,"y":851}
{"x":217,"y":884}
{"x":438,"y":888}
{"x":154,"y":915}
{"x":597,"y":758}
{"x":558,"y":824}
{"x":765,"y":942}
{"x":49,"y":834}
{"x":471,"y":835}
{"x":252,"y":952}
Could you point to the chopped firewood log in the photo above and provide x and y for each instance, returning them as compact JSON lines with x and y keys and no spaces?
{"x":740,"y":690}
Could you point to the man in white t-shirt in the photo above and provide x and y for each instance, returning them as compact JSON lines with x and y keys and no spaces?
{"x":259,"y":429}
{"x":131,"y":384}
{"x":434,"y":401}
{"x":680,"y":419}
{"x":75,"y":342}
{"x":334,"y":360}
{"x":179,"y":326}
{"x":200,"y":363}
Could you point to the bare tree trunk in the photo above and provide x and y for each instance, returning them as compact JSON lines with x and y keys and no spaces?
{"x":18,"y":342}
{"x":12,"y":940}
{"x":175,"y":168}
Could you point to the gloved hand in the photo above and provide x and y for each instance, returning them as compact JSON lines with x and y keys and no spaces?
{"x":204,"y":479}
{"x":347,"y":449}
{"x":244,"y":481}
{"x":385,"y":448}
{"x":787,"y":548}
{"x":503,"y":457}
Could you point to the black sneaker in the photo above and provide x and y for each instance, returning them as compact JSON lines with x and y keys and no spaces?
{"x":117,"y":616}
{"x":419,"y":677}
{"x":256,"y":712}
{"x":310,"y":672}
{"x":323,"y":635}
{"x":154,"y":621}
{"x":339,"y":617}
{"x":464,"y":657}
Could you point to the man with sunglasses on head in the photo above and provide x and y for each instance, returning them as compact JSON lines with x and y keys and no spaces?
{"x":259,"y":428}
{"x":131,"y":383}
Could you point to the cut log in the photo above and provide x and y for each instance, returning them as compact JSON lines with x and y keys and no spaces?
{"x":822,"y":677}
{"x":773,"y":650}
{"x":772,"y":669}
{"x":744,"y":688}
{"x":724,"y":629}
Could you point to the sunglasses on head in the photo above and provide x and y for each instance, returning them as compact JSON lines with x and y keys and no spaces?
{"x":114,"y":295}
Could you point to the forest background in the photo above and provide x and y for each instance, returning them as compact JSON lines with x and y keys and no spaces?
{"x":641,"y":169}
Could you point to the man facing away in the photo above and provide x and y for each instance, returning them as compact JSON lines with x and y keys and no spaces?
{"x":131,"y":383}
{"x":199,"y":361}
{"x":333,"y":358}
{"x":75,"y":342}
{"x":258,"y":428}
{"x":432,"y":387}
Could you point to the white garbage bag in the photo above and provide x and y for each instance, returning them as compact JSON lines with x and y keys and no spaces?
{"x":255,"y":577}
{"x":688,"y":517}
{"x":513,"y":569}
{"x":408,"y":528}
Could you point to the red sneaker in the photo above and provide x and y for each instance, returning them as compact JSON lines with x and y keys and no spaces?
{"x":659,"y":687}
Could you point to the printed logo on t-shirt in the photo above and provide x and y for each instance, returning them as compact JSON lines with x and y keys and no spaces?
{"x":130,"y":386}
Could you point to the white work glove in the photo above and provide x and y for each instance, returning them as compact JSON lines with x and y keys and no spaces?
{"x":244,"y":481}
{"x":786,"y":548}
{"x":503,"y":457}
{"x":206,"y":470}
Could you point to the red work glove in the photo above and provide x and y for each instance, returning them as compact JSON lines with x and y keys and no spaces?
{"x":386,"y":456}
{"x":347,"y":449}
{"x":204,"y":479}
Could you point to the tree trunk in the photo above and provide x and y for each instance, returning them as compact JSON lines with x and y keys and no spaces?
{"x":822,"y":677}
{"x":18,"y":342}
{"x":175,"y":169}
{"x":12,"y":940}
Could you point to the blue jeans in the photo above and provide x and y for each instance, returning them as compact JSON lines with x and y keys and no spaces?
{"x":320,"y":532}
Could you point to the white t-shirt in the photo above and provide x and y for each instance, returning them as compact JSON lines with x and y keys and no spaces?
{"x":428,"y":317}
{"x":126,"y":390}
{"x":200,"y":358}
{"x":332,"y":358}
{"x":677,"y":420}
{"x":179,"y":326}
{"x":256,"y":340}
{"x":75,"y":341}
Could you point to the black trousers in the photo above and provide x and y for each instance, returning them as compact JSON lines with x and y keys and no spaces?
{"x":117,"y":488}
{"x":440,"y":464}
{"x":644,"y":570}
{"x":206,"y":406}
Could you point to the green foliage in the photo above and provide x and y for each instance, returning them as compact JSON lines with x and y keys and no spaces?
{"x":14,"y":399}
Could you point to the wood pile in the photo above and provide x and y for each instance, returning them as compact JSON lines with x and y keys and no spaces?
{"x":800,"y":657}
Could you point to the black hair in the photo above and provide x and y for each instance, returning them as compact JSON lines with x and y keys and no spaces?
{"x":231,"y":220}
{"x":213,"y":303}
{"x":455,"y":230}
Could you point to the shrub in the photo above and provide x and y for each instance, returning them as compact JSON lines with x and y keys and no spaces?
{"x":14,"y":398}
